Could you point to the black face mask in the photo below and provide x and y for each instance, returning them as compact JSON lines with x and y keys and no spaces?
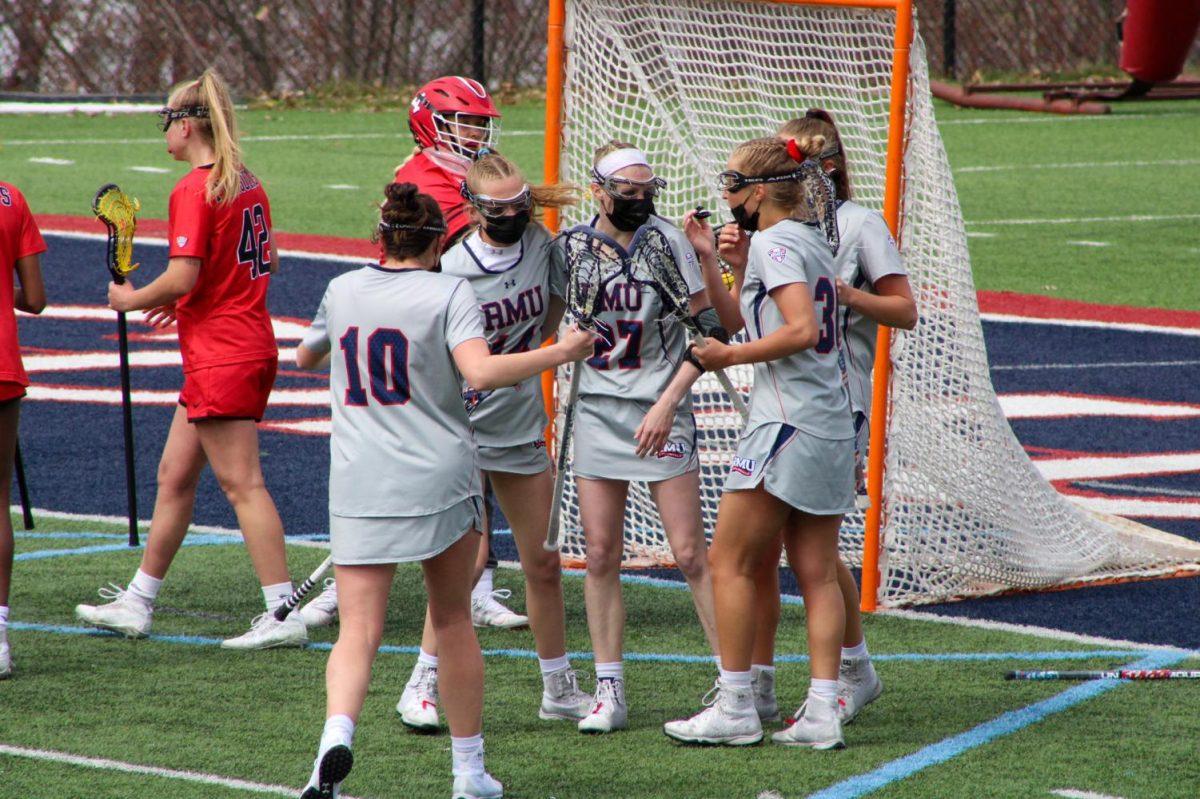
{"x":745,"y":220}
{"x":506,"y":230}
{"x":629,"y":215}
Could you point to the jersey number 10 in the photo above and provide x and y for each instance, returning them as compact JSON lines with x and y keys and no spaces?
{"x":387,"y":367}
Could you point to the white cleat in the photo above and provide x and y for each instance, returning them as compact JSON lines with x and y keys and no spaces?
{"x":728,"y":720}
{"x":267,"y":633}
{"x":608,"y":711}
{"x":480,"y":785}
{"x":763,"y":685}
{"x":858,"y":686}
{"x":124,"y":614}
{"x":486,"y":611}
{"x":6,"y":670}
{"x":322,"y":611}
{"x":418,"y":705}
{"x":815,"y":725}
{"x":562,"y":699}
{"x":331,"y":768}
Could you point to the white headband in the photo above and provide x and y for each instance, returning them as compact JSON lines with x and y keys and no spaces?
{"x":619,"y":159}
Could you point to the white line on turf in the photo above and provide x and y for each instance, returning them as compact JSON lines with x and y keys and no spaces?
{"x":1133,"y":327}
{"x":264,"y":138}
{"x":1071,"y":793}
{"x":1053,"y":118}
{"x":51,"y":161}
{"x":1100,"y":365}
{"x":1136,"y":489}
{"x":1084,"y":243}
{"x":341,"y":186}
{"x":153,"y":241}
{"x":1085,"y":219}
{"x":979,"y":234}
{"x":104,"y":764}
{"x":1076,"y":165}
{"x":153,"y":170}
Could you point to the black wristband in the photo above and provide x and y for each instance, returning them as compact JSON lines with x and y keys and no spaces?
{"x":691,"y":358}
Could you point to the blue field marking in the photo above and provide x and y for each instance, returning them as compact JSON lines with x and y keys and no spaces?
{"x":641,"y":657}
{"x":191,"y":541}
{"x":678,"y":585}
{"x":998,"y":727}
{"x":101,"y":536}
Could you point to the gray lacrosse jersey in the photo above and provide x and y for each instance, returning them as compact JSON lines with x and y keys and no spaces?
{"x":402,"y":444}
{"x":648,"y":348}
{"x":513,"y":286}
{"x":867,"y":253}
{"x":804,"y":389}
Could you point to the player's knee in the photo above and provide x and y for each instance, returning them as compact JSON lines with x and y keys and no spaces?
{"x":814,"y":572}
{"x":175,"y":481}
{"x":544,"y":571}
{"x":239,"y":488}
{"x":604,"y":560}
{"x":448,"y":616}
{"x":692,"y":560}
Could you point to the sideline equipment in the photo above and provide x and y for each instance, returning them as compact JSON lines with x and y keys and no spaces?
{"x":1118,"y":674}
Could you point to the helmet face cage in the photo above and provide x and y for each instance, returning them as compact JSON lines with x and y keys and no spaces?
{"x":628,"y":189}
{"x":496,"y":207}
{"x":464,"y":138}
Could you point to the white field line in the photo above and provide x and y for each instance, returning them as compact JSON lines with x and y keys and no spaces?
{"x":1132,"y":327}
{"x":1040,"y":632}
{"x":80,"y":107}
{"x":265,"y":138}
{"x":104,"y":764}
{"x":154,"y":241}
{"x":1071,"y":793}
{"x":1036,"y":119}
{"x":1085,"y":219}
{"x":1140,"y":508}
{"x":285,"y":330}
{"x":1136,"y":489}
{"x":1048,"y":406}
{"x":1084,"y":243}
{"x":291,"y":397}
{"x":1109,"y":466}
{"x":51,"y":161}
{"x":1014,"y":367}
{"x":153,"y":170}
{"x":1076,"y":165}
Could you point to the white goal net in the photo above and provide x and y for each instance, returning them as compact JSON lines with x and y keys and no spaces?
{"x":965,"y":510}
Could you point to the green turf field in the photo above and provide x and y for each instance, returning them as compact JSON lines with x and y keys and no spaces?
{"x":1028,"y":184}
{"x":178,"y":702}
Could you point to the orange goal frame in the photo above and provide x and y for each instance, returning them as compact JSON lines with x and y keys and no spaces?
{"x":894,"y":175}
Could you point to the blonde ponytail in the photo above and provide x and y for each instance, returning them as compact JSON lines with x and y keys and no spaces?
{"x":220,"y":127}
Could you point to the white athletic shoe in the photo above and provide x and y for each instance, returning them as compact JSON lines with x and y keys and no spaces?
{"x":5,"y":661}
{"x":729,"y":719}
{"x":486,"y":611}
{"x":764,"y":696}
{"x":267,"y":633}
{"x":814,"y":725}
{"x":418,"y":705}
{"x":322,"y":611}
{"x":608,"y":711}
{"x":331,"y":768}
{"x":561,"y":697}
{"x":124,"y":613}
{"x":858,"y":686}
{"x":479,"y":785}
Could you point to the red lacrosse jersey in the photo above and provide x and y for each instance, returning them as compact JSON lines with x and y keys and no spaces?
{"x":224,"y":318}
{"x":441,"y":185}
{"x":19,"y":236}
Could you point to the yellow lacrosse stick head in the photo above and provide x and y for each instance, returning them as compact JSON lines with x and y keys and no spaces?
{"x":118,"y":211}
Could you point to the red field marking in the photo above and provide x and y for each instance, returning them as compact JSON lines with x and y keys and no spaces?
{"x":1035,"y":306}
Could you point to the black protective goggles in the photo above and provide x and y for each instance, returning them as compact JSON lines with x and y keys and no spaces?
{"x":493,"y":207}
{"x":391,"y":227}
{"x":732,"y":180}
{"x":168,"y":115}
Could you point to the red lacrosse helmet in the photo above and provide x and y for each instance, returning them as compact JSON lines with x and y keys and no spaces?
{"x":437,"y":111}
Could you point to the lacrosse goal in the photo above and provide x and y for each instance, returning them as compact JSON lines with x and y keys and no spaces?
{"x":958,"y":509}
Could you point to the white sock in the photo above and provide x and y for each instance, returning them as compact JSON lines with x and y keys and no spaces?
{"x":424,"y":661}
{"x":552,"y":665}
{"x":735,"y":679}
{"x":859,"y":651}
{"x":145,"y":587}
{"x":339,"y":729}
{"x":468,"y":754}
{"x":610,"y":671}
{"x":484,"y":587}
{"x":3,"y":623}
{"x":275,"y":595}
{"x":824,"y":691}
{"x":757,"y":669}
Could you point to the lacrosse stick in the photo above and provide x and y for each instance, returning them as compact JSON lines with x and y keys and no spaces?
{"x":23,"y":488}
{"x":292,"y":602}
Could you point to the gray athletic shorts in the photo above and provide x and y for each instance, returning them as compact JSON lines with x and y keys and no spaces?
{"x":365,"y":540}
{"x":604,"y":446}
{"x":528,"y":458}
{"x":812,"y":474}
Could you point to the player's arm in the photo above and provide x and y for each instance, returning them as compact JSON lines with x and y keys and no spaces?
{"x":656,"y":425}
{"x":30,"y":296}
{"x":700,"y":235}
{"x":893,"y":305}
{"x":484,"y":371}
{"x":799,"y":331}
{"x":179,"y":278}
{"x":554,"y":314}
{"x":313,"y":352}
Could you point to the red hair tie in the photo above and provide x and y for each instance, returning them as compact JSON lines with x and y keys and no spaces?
{"x":794,"y":151}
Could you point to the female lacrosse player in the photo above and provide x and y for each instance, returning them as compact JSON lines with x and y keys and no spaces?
{"x":872,"y":289}
{"x":215,"y":285}
{"x":794,"y":469}
{"x":518,"y":279}
{"x":404,"y":477}
{"x":453,"y":121}
{"x":634,"y":422}
{"x":20,"y":245}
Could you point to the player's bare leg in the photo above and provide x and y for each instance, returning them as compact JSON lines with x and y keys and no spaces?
{"x":10,"y":413}
{"x":678,"y":505}
{"x":525,"y":500}
{"x":486,"y":607}
{"x":767,"y":608}
{"x":602,"y":513}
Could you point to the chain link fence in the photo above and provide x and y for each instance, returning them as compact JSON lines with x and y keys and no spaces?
{"x":129,"y":47}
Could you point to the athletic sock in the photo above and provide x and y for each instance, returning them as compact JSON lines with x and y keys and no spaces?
{"x":484,"y":587}
{"x":757,"y":669}
{"x":824,"y":691}
{"x":858,"y":651}
{"x":468,"y":754}
{"x":145,"y":588}
{"x":735,"y":679}
{"x":275,"y":595}
{"x":339,"y":729}
{"x":3,"y":623}
{"x":551,"y":665}
{"x":610,"y":671}
{"x":424,"y":661}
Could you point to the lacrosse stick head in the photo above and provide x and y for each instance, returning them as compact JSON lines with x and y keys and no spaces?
{"x":820,"y":198}
{"x":593,"y":260}
{"x":118,"y":211}
{"x":653,"y":263}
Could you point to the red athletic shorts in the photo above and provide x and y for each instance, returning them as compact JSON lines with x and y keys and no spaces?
{"x":10,"y":390}
{"x":234,"y":391}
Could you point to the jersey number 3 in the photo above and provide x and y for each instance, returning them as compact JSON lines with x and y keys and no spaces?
{"x":387,"y":366}
{"x":254,"y":245}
